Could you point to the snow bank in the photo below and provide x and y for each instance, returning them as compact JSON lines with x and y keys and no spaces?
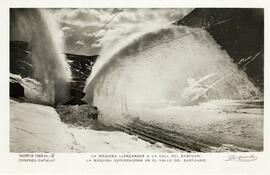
{"x":32,"y":89}
{"x":37,"y":128}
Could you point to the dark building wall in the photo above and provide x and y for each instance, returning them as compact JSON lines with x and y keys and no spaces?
{"x":239,"y":31}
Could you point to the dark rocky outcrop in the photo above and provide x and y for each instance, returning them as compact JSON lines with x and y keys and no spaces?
{"x":20,"y":59}
{"x":16,"y":90}
{"x":77,"y":95}
{"x":75,"y":101}
{"x":81,"y":68}
{"x":238,"y":31}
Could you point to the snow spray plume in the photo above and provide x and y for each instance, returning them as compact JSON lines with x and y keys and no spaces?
{"x":38,"y":27}
{"x":179,"y":71}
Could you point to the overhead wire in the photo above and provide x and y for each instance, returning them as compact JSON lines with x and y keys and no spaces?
{"x":98,"y":31}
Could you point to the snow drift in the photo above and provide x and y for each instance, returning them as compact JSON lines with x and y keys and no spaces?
{"x":37,"y":128}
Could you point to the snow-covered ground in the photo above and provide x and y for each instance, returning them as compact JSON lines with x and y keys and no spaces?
{"x":37,"y":128}
{"x":225,"y":125}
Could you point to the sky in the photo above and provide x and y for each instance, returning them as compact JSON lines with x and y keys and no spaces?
{"x":84,"y":32}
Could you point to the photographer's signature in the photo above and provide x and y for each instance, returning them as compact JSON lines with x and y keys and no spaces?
{"x":242,"y":158}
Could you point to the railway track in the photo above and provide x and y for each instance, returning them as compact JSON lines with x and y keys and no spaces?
{"x":154,"y":134}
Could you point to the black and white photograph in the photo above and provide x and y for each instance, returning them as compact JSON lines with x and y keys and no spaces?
{"x":136,"y":80}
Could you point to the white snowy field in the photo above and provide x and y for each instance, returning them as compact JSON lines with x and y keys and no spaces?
{"x":37,"y":128}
